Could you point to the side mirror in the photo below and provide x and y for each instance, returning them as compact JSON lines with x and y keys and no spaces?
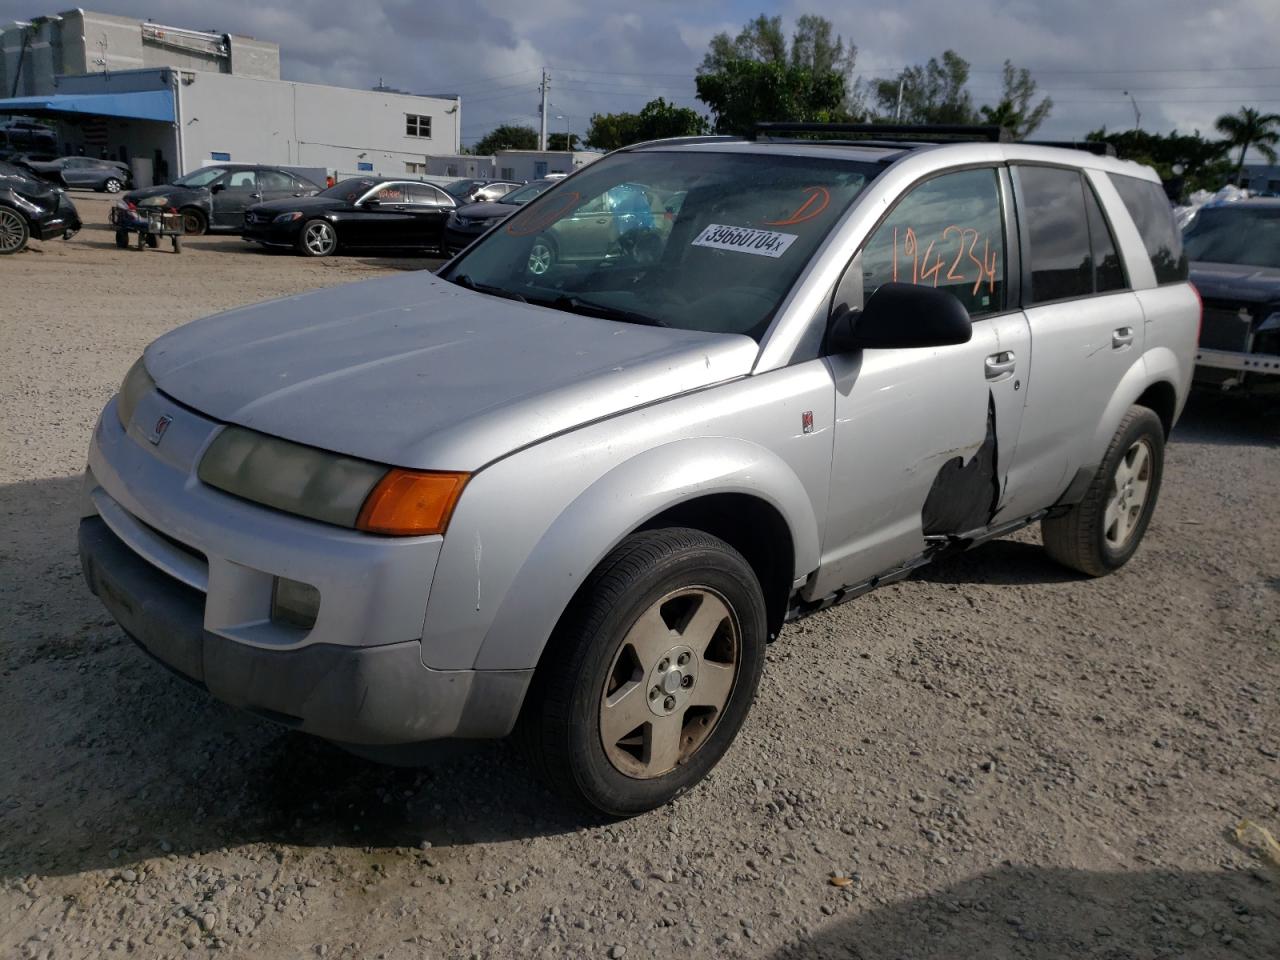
{"x":901,"y":316}
{"x":372,"y":204}
{"x":217,"y":188}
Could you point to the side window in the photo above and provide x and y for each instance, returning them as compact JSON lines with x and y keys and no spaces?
{"x":1053,"y":211}
{"x":1153,"y":217}
{"x":1108,"y":273}
{"x":275,"y":180}
{"x":948,"y":233}
{"x":242,"y":180}
{"x":424,"y":195}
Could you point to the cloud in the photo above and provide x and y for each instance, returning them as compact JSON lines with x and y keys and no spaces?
{"x":1180,"y":59}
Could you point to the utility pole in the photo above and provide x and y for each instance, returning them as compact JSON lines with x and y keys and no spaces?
{"x":542,"y":133}
{"x":1137,"y":114}
{"x":897,"y":112}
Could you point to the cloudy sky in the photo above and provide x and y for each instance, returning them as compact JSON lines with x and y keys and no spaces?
{"x":1183,"y":61}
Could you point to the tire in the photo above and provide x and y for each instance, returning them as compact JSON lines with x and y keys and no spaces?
{"x":194,"y":222}
{"x":317,"y":238}
{"x":112,"y":185}
{"x":1101,"y":532}
{"x":14,"y":232}
{"x":543,"y":253}
{"x":122,"y":239}
{"x":152,"y":241}
{"x":177,"y":243}
{"x":642,"y":638}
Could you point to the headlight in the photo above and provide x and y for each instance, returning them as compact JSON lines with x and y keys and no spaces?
{"x":330,"y":487}
{"x":137,"y":382}
{"x":154,"y":202}
{"x":288,"y":217}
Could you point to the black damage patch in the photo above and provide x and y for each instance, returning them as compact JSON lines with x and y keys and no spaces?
{"x":964,"y":496}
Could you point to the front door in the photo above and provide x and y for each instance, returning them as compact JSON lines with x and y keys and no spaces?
{"x":1087,"y":326}
{"x":239,"y":191}
{"x":384,"y":222}
{"x":924,"y":437}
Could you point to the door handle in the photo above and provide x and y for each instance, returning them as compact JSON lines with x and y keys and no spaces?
{"x":255,"y":196}
{"x":1121,"y":337}
{"x":999,"y":366}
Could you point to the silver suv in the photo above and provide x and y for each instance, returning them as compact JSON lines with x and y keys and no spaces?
{"x":576,"y":500}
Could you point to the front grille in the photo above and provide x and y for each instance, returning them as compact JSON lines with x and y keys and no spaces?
{"x":1227,"y":326}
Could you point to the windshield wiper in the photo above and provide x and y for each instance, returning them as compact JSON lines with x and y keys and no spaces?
{"x":601,"y":311}
{"x":463,"y":280}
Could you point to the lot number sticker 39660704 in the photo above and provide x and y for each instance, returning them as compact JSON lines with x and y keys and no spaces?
{"x":763,"y":243}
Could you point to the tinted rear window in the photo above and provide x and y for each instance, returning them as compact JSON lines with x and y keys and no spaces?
{"x":1153,"y":216}
{"x":1058,"y":230}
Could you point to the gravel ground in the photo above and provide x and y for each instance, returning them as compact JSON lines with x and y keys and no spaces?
{"x":994,"y":759}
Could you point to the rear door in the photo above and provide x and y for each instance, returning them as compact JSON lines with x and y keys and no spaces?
{"x":274,"y":185}
{"x":429,"y":208}
{"x":1086,"y":331}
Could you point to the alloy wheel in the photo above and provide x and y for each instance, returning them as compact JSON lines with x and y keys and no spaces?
{"x":670,"y":682}
{"x":1129,"y":489}
{"x":541,"y":256}
{"x":320,"y":238}
{"x":13,"y":232}
{"x":112,"y":186}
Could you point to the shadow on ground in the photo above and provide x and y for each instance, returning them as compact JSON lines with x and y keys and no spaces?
{"x":1027,"y":913}
{"x":1215,"y":418}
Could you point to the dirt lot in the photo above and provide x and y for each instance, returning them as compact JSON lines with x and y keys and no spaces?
{"x":1006,"y":760}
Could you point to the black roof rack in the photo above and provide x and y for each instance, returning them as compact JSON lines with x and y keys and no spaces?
{"x":921,"y":133}
{"x":1099,"y":147}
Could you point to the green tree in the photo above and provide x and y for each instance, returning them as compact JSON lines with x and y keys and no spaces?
{"x":1249,"y":128}
{"x":1014,"y":112}
{"x":507,"y":137}
{"x":758,"y":76}
{"x":658,"y":119}
{"x":934,"y":92}
{"x":556,"y":141}
{"x":1201,"y":164}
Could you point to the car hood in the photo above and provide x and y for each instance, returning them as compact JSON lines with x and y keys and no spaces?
{"x":166,"y":190}
{"x":302,"y":204}
{"x":416,"y":372}
{"x":487,"y":211}
{"x":1234,"y":281}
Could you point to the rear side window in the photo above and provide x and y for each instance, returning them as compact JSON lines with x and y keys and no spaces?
{"x":1053,"y":210}
{"x":1153,"y":216}
{"x":947,"y":233}
{"x":1108,"y":274}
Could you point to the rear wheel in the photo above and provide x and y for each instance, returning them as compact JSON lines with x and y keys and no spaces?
{"x":112,"y":185}
{"x":317,"y":239}
{"x":194,"y":222}
{"x":122,"y":239}
{"x":1101,"y":532}
{"x":13,"y":231}
{"x":650,"y":674}
{"x":542,"y":256}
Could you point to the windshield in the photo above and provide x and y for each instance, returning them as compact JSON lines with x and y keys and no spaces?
{"x":350,"y":190}
{"x":460,"y":188}
{"x":200,"y":178}
{"x":687,"y":239}
{"x":523,"y":195}
{"x":1248,"y":236}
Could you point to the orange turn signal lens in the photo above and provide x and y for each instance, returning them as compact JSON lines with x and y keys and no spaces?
{"x":409,"y":503}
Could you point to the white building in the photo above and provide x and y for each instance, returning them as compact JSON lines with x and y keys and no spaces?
{"x":217,"y":99}
{"x":533,"y":164}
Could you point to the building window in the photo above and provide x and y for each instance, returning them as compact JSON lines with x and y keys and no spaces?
{"x":508,"y":173}
{"x":416,"y":126}
{"x":418,"y":168}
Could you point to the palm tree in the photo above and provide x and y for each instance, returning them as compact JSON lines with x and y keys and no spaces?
{"x":1249,"y":128}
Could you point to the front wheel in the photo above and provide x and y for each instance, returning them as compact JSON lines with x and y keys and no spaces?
{"x":13,"y":231}
{"x":1101,"y":532}
{"x":318,"y":238}
{"x":650,"y":673}
{"x":193,"y":222}
{"x":112,"y":185}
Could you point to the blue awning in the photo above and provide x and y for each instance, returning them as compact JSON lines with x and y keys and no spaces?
{"x":141,"y":105}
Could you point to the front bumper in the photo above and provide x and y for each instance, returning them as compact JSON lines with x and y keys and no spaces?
{"x":187,"y":571}
{"x":457,"y":240}
{"x":63,"y":221}
{"x":272,"y":234}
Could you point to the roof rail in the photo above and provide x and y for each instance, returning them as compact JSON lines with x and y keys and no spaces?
{"x":919,"y":132}
{"x":1098,"y":147}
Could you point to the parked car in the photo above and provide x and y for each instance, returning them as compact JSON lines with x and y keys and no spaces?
{"x":31,"y":207}
{"x":1235,"y":264}
{"x":362,"y":213}
{"x":19,"y":137}
{"x":105,"y":176}
{"x":577,"y":502}
{"x":470,"y":221}
{"x":479,"y":191}
{"x":215,"y":198}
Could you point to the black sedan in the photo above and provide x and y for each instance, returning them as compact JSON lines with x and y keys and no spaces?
{"x":105,"y":176}
{"x":30,"y":207}
{"x":362,"y":213}
{"x":474,"y":219}
{"x":216,"y":197}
